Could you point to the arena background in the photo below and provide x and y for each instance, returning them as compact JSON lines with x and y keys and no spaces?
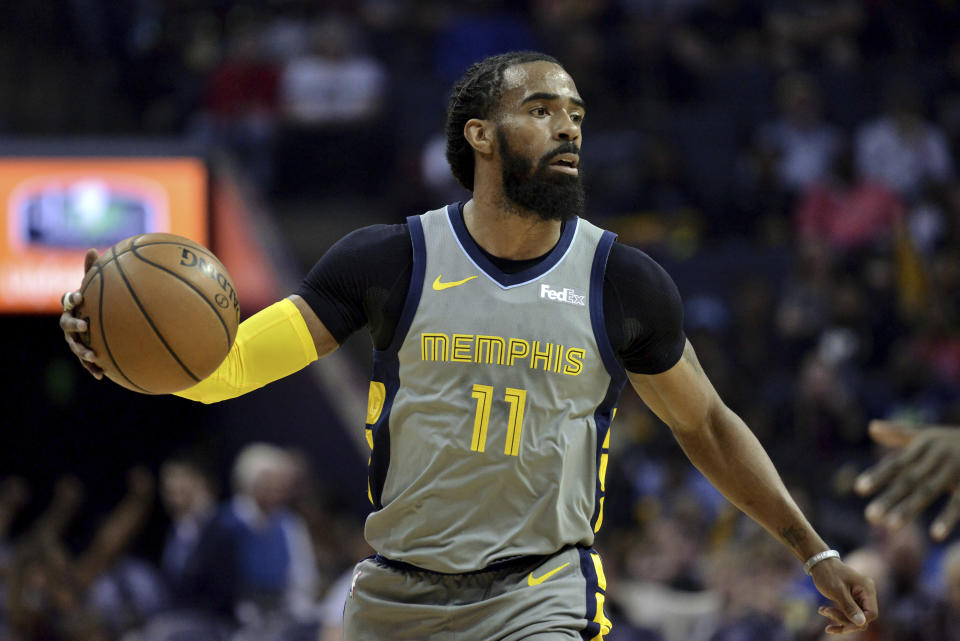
{"x":792,"y":166}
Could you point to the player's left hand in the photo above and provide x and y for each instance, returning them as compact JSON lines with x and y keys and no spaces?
{"x":854,"y":596}
{"x":73,"y":327}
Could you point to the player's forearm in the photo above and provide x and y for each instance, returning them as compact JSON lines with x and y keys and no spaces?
{"x":731,"y":457}
{"x":270,"y":345}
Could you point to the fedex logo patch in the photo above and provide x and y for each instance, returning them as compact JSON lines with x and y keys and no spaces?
{"x":565,"y":295}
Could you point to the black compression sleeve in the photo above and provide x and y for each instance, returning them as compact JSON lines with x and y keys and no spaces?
{"x":362,"y":280}
{"x":643,"y":311}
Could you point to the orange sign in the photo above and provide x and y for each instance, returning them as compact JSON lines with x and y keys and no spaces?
{"x":54,"y":209}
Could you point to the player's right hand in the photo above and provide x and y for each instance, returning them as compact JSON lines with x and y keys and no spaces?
{"x":72,"y":326}
{"x":854,"y":596}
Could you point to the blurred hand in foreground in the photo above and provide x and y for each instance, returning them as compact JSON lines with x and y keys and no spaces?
{"x":924,"y":465}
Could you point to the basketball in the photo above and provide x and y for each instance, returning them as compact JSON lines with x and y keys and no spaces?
{"x":161,"y":312}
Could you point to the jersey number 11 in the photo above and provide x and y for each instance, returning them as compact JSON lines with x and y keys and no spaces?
{"x":517,"y":399}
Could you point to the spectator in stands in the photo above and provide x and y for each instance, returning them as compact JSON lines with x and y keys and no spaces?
{"x":352,"y":546}
{"x":908,"y":606}
{"x":239,"y":111}
{"x":901,"y":148}
{"x":276,"y":570}
{"x":337,"y":540}
{"x":847,"y":213}
{"x":478,"y":29}
{"x":435,"y":171}
{"x":198,"y":561}
{"x":189,"y":495}
{"x":802,"y":144}
{"x":331,"y":104}
{"x":48,"y":589}
{"x":670,"y":554}
{"x":750,"y":576}
{"x":245,"y":570}
{"x":14,"y":493}
{"x":128,"y":594}
{"x":947,"y":92}
{"x":937,"y":343}
{"x":827,"y":413}
{"x":944,"y":624}
{"x":804,"y":305}
{"x":332,"y":82}
{"x":663,"y":185}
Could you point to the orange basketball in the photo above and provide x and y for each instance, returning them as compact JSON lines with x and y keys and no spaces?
{"x":161,"y":310}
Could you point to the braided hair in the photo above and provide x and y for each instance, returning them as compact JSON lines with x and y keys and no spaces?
{"x":476,"y":95}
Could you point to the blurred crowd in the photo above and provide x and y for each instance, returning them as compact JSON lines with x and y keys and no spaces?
{"x":267,"y":560}
{"x":263,"y":561}
{"x":792,"y":165}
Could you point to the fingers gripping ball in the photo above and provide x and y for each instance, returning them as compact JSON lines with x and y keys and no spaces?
{"x":162,"y":313}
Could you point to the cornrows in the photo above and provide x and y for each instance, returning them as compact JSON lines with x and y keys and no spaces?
{"x":476,"y":95}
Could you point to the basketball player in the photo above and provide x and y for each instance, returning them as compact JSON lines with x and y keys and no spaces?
{"x":924,"y":465}
{"x":504,"y":329}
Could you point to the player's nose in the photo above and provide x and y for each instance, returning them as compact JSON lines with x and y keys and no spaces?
{"x":567,"y":128}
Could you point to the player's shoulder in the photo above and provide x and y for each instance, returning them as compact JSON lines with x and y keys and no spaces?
{"x":374,"y":240}
{"x":630,"y":261}
{"x":635,"y":275}
{"x":379,"y":233}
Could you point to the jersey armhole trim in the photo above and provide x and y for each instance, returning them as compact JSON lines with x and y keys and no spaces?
{"x":416,"y":283}
{"x":597,"y":320}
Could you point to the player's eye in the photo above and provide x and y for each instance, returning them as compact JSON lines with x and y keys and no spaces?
{"x":577,"y":118}
{"x":539,"y":111}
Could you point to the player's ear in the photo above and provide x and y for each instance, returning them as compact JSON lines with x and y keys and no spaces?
{"x":479,"y":133}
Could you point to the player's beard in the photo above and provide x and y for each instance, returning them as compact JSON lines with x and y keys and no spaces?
{"x":551,"y":194}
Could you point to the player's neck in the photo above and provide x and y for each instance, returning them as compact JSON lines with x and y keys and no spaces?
{"x":507,"y":233}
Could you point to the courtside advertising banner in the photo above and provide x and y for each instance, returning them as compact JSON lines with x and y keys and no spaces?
{"x":54,"y":209}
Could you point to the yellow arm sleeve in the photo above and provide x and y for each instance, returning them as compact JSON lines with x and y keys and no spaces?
{"x":271,"y":344}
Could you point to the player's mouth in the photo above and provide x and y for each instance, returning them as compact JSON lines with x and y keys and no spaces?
{"x":566,"y":163}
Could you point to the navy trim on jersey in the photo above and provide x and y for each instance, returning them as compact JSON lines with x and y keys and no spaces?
{"x":593,"y":587}
{"x":386,"y":369}
{"x":511,"y":563}
{"x":416,"y":283}
{"x":618,"y":376}
{"x":597,"y":272}
{"x":386,"y":366}
{"x":491,"y":271}
{"x":602,"y":419}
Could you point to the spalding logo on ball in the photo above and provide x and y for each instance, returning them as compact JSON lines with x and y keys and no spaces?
{"x":161,"y":311}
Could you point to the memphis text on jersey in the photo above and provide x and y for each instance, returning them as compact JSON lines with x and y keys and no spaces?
{"x":498,"y":350}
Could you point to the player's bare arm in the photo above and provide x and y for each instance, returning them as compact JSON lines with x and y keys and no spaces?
{"x":721,"y":446}
{"x":924,"y":464}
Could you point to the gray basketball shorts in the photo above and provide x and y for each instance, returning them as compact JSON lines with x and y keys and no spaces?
{"x":553,"y":598}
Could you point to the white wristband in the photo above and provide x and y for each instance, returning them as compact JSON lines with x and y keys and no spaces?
{"x":819,"y":556}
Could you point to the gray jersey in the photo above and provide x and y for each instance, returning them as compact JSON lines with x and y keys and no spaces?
{"x":489,"y":414}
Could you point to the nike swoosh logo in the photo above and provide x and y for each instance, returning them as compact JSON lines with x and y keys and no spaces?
{"x":537,"y":580}
{"x":437,"y":285}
